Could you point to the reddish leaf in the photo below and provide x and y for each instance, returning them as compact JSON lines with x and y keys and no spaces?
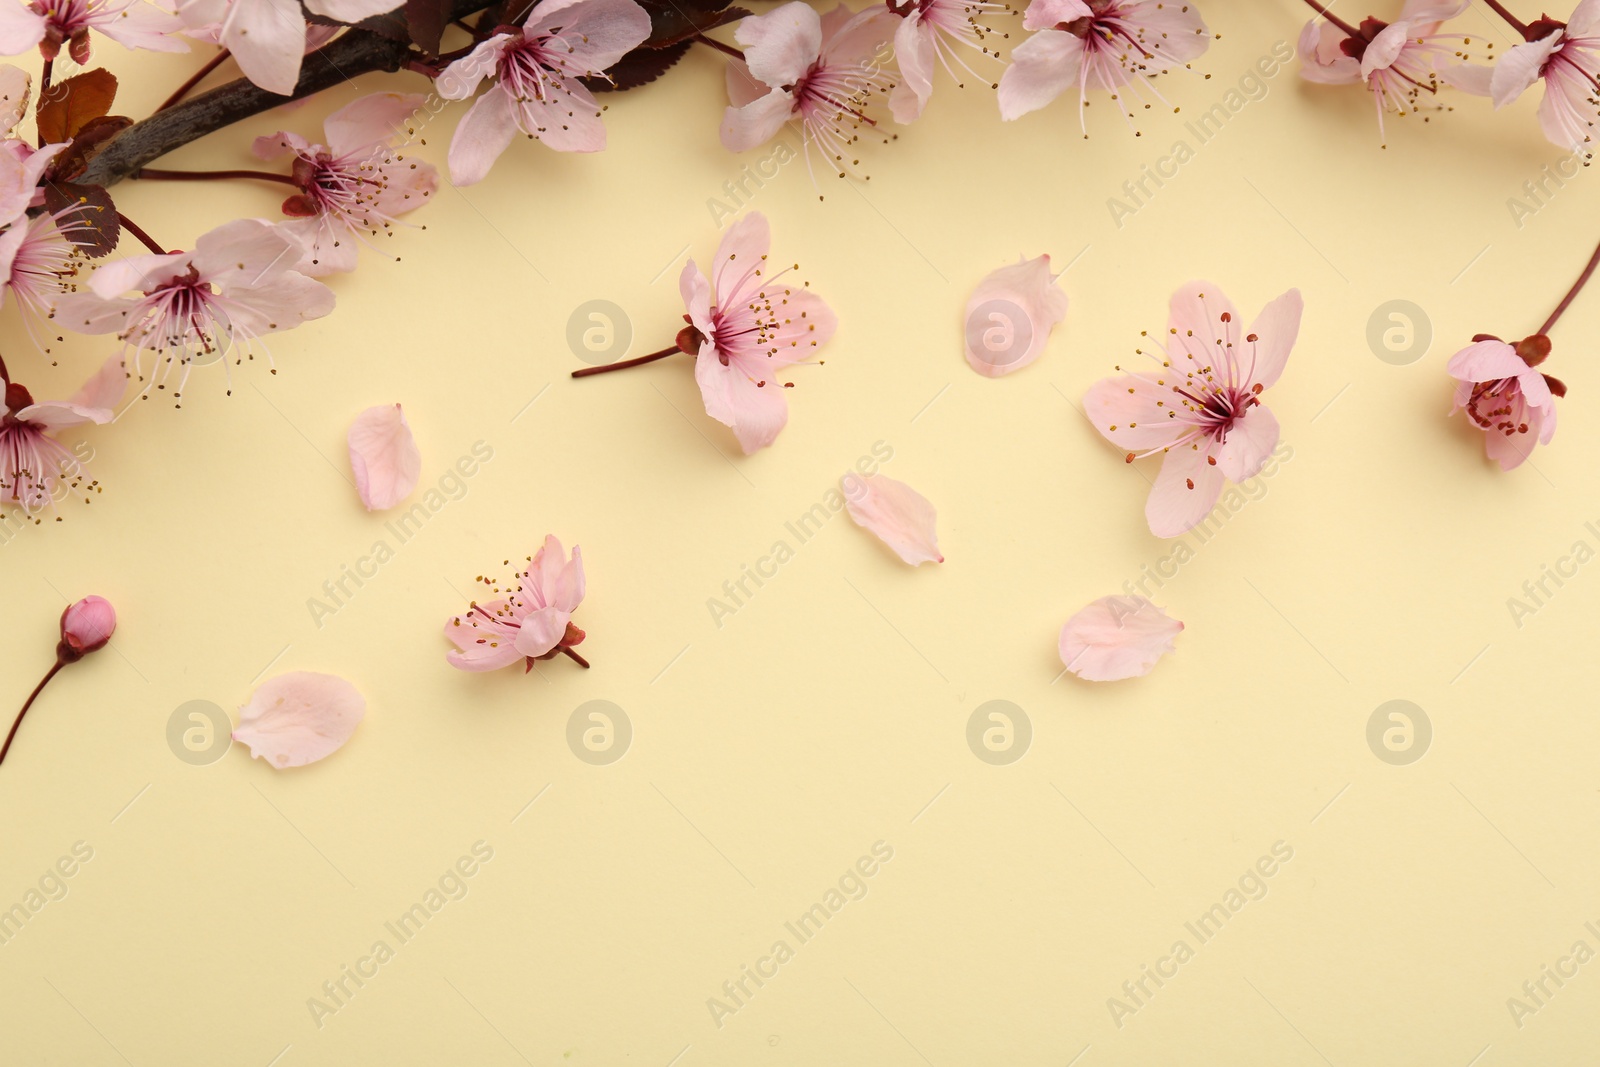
{"x":65,"y":108}
{"x":672,"y":21}
{"x":427,"y":20}
{"x":90,"y":221}
{"x":639,"y":67}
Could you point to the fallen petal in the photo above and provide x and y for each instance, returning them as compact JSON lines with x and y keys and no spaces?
{"x":1117,"y":637}
{"x":901,"y":517}
{"x":299,"y":718}
{"x":384,"y":456}
{"x":1010,"y":315}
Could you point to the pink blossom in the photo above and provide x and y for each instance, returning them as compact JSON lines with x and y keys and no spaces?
{"x":86,"y":626}
{"x":757,"y":326}
{"x":896,"y":514}
{"x":236,"y":286}
{"x":1010,"y":315}
{"x":34,"y":466}
{"x":299,"y":718}
{"x":37,"y":265}
{"x":536,"y":68}
{"x":1563,"y":55}
{"x":530,"y":622}
{"x":1117,"y":637}
{"x":52,"y":23}
{"x":1513,"y":404}
{"x":822,"y":70}
{"x":268,"y":37}
{"x":1101,"y":44}
{"x":929,"y":31}
{"x":383,"y":456}
{"x":1398,"y":61}
{"x":21,"y":165}
{"x":1201,"y":405}
{"x":357,"y":185}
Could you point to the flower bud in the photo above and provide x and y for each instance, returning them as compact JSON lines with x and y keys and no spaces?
{"x":86,"y":626}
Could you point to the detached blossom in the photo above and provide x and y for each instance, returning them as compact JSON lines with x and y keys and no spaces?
{"x":757,"y":326}
{"x":530,"y":622}
{"x":268,"y":37}
{"x":1398,"y":61}
{"x":1202,"y":406}
{"x":931,"y":30}
{"x":822,"y":70}
{"x":1099,"y":44}
{"x":1566,"y":57}
{"x":236,"y":286}
{"x":536,"y":67}
{"x":34,"y":466}
{"x":53,"y":23}
{"x":1117,"y":637}
{"x":354,"y":187}
{"x":1513,"y":404}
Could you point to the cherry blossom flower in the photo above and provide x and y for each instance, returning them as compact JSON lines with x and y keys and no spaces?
{"x":1505,"y":397}
{"x":536,"y":68}
{"x":822,"y":70}
{"x":1010,"y":315}
{"x":354,"y":187}
{"x":53,"y":23}
{"x":1398,"y":61}
{"x":929,"y":31}
{"x":268,"y":37}
{"x":1117,"y":637}
{"x":34,"y":467}
{"x":383,"y":456}
{"x":1563,"y":55}
{"x":299,"y":718}
{"x":747,"y":325}
{"x":532,"y":621}
{"x":896,"y":514}
{"x":37,"y":265}
{"x":238,"y":285}
{"x":87,"y":626}
{"x":1099,"y":44}
{"x":1201,"y":405}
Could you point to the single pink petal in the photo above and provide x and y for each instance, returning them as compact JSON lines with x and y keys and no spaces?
{"x":20,"y":28}
{"x":1042,"y":68}
{"x":541,"y":631}
{"x":1485,"y":361}
{"x":19,"y":179}
{"x":808,"y":323}
{"x":371,"y":121}
{"x":384,"y":456}
{"x":757,"y":122}
{"x":1275,"y":330}
{"x":267,"y":38}
{"x":1117,"y":637}
{"x":1470,"y":78}
{"x":598,"y":32}
{"x":1048,"y":14}
{"x":1184,"y":492}
{"x":896,"y":514}
{"x":1134,"y":413}
{"x":460,"y":79}
{"x":696,"y":293}
{"x":780,"y":46}
{"x":1519,"y":68}
{"x":1321,"y":60}
{"x":93,"y":402}
{"x":1248,"y":445}
{"x":914,"y":53}
{"x":271,"y":146}
{"x":741,"y":251}
{"x":755,"y":413}
{"x":1010,"y":315}
{"x":856,"y":38}
{"x":15,"y":87}
{"x":743,"y":87}
{"x":566,"y":120}
{"x":140,"y":25}
{"x":483,"y":641}
{"x":299,"y":718}
{"x":350,"y":10}
{"x":483,"y":133}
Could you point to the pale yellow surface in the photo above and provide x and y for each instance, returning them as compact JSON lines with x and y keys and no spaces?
{"x":830,"y":712}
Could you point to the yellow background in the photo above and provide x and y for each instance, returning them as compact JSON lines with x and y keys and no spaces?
{"x":830,"y":712}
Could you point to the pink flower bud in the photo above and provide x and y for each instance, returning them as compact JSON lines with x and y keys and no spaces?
{"x":86,"y":626}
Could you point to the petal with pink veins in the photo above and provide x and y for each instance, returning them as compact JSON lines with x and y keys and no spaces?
{"x":755,"y":413}
{"x":1184,"y":492}
{"x":1010,"y":315}
{"x":383,"y":456}
{"x":1117,"y":637}
{"x":896,"y":514}
{"x":483,"y":133}
{"x":780,"y":46}
{"x":299,"y":718}
{"x":1133,"y":413}
{"x":1275,"y":330}
{"x":21,"y":28}
{"x":267,"y":38}
{"x":1042,"y":68}
{"x":371,"y":121}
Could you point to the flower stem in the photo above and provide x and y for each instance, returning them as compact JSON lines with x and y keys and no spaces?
{"x":727,"y":49}
{"x":210,"y":175}
{"x":1500,"y":9}
{"x":580,"y":660}
{"x":1577,"y":287}
{"x":148,"y":241}
{"x":1349,"y":30}
{"x":26,"y":704}
{"x":194,"y":79}
{"x":637,"y":361}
